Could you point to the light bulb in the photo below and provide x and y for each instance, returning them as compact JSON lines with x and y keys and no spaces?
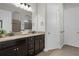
{"x":29,"y":9}
{"x":22,"y":6}
{"x":26,"y":7}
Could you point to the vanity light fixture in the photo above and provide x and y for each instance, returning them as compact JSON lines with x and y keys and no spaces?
{"x":24,"y":6}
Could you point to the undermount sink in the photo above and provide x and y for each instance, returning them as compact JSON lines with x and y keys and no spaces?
{"x":25,"y":32}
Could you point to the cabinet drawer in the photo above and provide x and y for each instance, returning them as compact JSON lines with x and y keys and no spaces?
{"x":36,"y":37}
{"x":41,"y":37}
{"x":7,"y":44}
{"x":31,"y":38}
{"x":30,"y":42}
{"x":31,"y":46}
{"x":11,"y":51}
{"x":21,"y":40}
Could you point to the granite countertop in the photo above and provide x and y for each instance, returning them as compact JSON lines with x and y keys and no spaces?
{"x":19,"y":36}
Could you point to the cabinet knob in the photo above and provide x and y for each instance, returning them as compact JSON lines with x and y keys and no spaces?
{"x":17,"y":48}
{"x":61,"y":31}
{"x":49,"y":33}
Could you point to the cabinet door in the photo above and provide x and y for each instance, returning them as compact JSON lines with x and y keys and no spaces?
{"x":31,"y":46}
{"x":36,"y":44}
{"x":41,"y":40}
{"x":14,"y":48}
{"x":30,"y":43}
{"x":11,"y":51}
{"x":21,"y":50}
{"x":22,"y":47}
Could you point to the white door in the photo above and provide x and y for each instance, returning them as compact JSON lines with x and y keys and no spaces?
{"x":71,"y":26}
{"x":51,"y":27}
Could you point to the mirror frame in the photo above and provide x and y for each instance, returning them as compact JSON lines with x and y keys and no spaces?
{"x":0,"y":23}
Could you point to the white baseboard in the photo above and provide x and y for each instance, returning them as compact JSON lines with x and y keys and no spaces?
{"x":52,"y":48}
{"x":45,"y":49}
{"x":61,"y":46}
{"x":70,"y":44}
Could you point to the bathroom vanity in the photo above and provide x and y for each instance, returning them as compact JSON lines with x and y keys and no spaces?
{"x":20,"y":37}
{"x":22,"y":45}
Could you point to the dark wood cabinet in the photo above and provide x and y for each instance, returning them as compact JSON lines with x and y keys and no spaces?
{"x":42,"y":42}
{"x":16,"y":47}
{"x":30,"y":43}
{"x":36,"y":44}
{"x":21,"y":47}
{"x":28,"y":46}
{"x":39,"y":43}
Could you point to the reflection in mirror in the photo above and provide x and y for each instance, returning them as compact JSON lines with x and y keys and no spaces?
{"x":21,"y":22}
{"x":14,"y":18}
{"x":27,"y":24}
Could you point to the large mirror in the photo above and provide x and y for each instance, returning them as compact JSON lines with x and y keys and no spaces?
{"x":15,"y":17}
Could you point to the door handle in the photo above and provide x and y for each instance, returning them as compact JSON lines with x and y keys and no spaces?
{"x":78,"y":32}
{"x":17,"y":48}
{"x":48,"y":33}
{"x":61,"y":31}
